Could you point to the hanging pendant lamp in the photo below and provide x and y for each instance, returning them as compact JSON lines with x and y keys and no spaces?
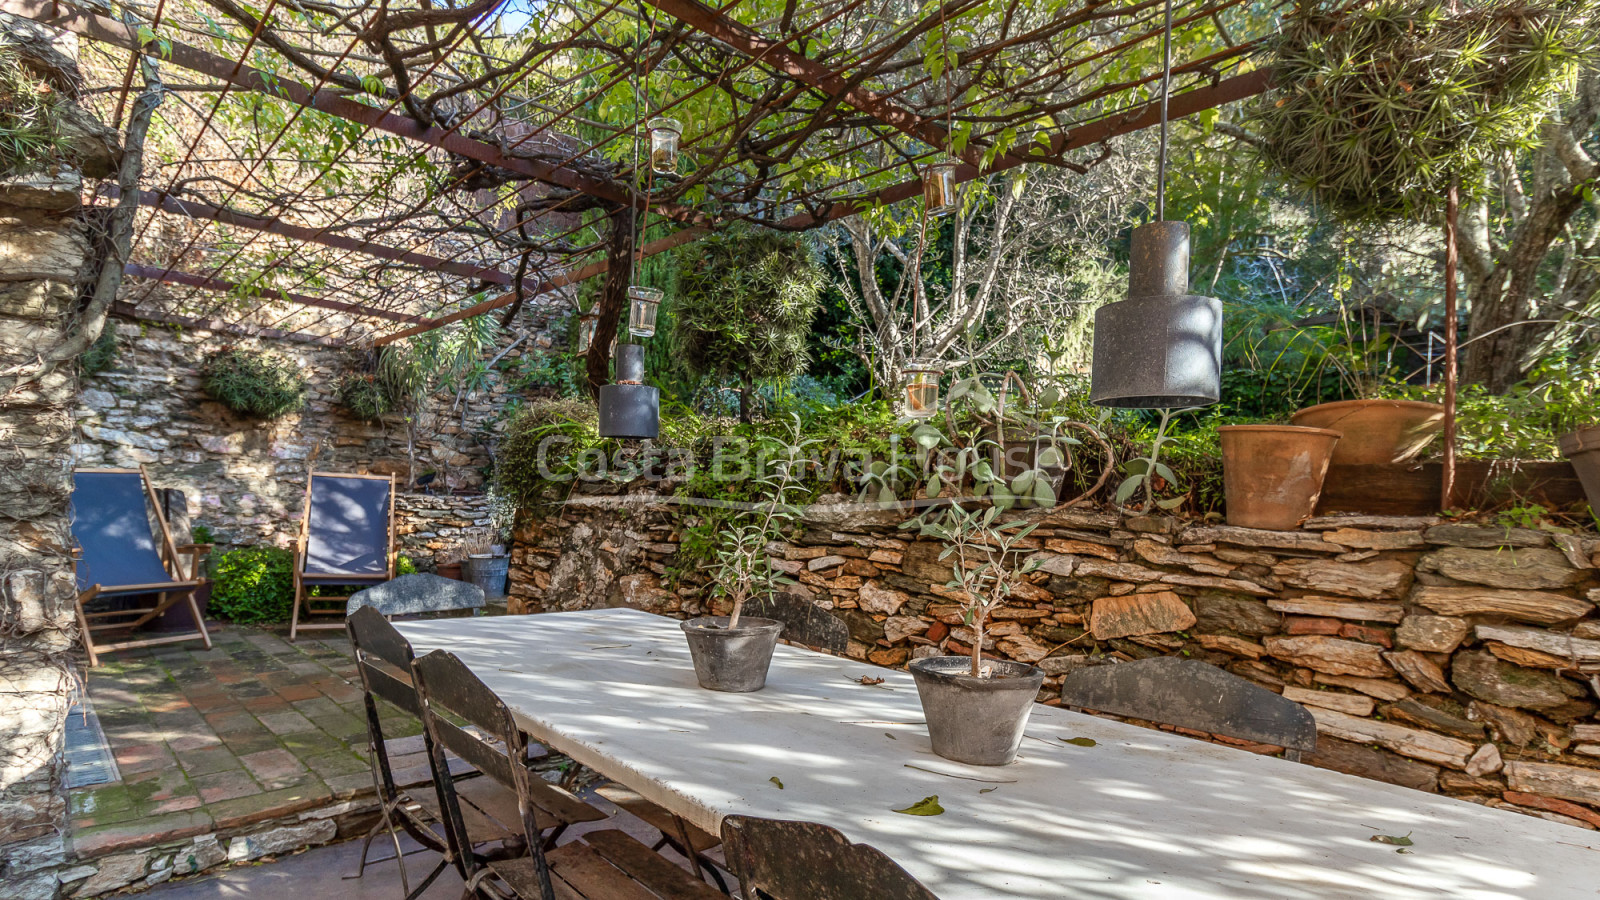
{"x":1162,"y":347}
{"x":630,"y":408}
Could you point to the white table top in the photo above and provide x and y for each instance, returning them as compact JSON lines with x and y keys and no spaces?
{"x":1142,"y":813}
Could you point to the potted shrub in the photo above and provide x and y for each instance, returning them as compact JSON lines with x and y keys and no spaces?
{"x":732,"y":652}
{"x":976,"y":708}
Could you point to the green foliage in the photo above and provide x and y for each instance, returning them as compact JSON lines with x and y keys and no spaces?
{"x":102,"y":354}
{"x":1145,"y":471}
{"x":253,"y":585}
{"x":30,"y":118}
{"x":201,"y":534}
{"x":557,"y":373}
{"x":404,"y":565}
{"x":450,"y":357}
{"x":746,"y":304}
{"x":253,"y":382}
{"x":365,"y":396}
{"x":741,"y":567}
{"x":1381,"y":106}
{"x":1524,"y":423}
{"x":543,"y":438}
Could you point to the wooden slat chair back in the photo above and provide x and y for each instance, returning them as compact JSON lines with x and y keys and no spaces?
{"x":804,"y":622}
{"x":119,"y":556}
{"x":383,"y":662}
{"x":346,"y":540}
{"x":778,"y":860}
{"x":606,"y":865}
{"x":1188,"y":693}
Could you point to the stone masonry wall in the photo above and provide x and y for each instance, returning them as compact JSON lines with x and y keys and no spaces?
{"x":43,"y":246}
{"x":1453,"y":658}
{"x":245,"y":478}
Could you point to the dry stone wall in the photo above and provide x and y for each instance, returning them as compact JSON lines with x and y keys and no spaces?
{"x":244,"y":478}
{"x":1454,"y":658}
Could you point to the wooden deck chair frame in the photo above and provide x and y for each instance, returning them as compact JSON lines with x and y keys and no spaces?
{"x":168,"y":594}
{"x":302,"y":591}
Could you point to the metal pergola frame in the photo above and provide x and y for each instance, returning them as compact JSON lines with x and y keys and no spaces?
{"x":837,"y":85}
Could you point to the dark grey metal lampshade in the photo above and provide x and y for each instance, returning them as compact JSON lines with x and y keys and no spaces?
{"x":629,"y":409}
{"x":1162,"y":347}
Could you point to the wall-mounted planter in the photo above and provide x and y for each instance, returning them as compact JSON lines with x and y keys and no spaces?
{"x":1375,"y":431}
{"x":1272,"y":474}
{"x":1582,"y":449}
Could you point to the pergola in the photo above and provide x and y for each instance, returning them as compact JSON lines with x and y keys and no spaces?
{"x":501,"y":142}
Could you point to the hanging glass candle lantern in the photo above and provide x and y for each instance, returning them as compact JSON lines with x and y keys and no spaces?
{"x":939,"y":188}
{"x":664,"y":135}
{"x":587,"y":324}
{"x":922,"y":387}
{"x":643,"y":304}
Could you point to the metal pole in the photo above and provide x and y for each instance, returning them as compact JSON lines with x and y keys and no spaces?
{"x":1166,"y":91}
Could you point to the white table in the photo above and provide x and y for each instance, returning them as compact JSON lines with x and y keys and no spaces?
{"x":1142,"y":813}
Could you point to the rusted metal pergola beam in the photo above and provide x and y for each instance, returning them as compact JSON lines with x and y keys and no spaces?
{"x":676,"y":239}
{"x":196,"y":209}
{"x":1188,"y":103}
{"x":808,"y":71}
{"x":100,"y":28}
{"x":172,"y":276}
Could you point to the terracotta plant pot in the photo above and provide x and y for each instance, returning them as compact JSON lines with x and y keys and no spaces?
{"x":449,"y":570}
{"x":1272,"y":474}
{"x":1582,"y":449}
{"x":1376,"y":431}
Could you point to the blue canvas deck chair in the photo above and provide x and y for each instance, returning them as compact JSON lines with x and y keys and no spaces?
{"x":346,"y":540}
{"x":118,"y":557}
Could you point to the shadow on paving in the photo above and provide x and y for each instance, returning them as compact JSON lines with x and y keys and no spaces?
{"x":205,"y":740}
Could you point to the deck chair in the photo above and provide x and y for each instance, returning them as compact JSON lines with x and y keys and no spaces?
{"x":118,"y":557}
{"x":778,"y":860}
{"x":1191,"y":694}
{"x":383,"y":661}
{"x":346,"y":540}
{"x":602,"y":865}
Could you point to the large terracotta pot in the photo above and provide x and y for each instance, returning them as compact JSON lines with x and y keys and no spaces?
{"x":1272,"y":474}
{"x":1582,"y":449}
{"x":1376,"y":431}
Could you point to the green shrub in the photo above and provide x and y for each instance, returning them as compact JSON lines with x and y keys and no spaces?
{"x":102,"y":354}
{"x":30,"y":116}
{"x":253,"y":584}
{"x":253,"y":382}
{"x":404,"y":565}
{"x":365,"y":396}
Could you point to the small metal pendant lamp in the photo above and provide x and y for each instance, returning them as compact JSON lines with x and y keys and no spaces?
{"x":630,"y":408}
{"x":1162,"y":347}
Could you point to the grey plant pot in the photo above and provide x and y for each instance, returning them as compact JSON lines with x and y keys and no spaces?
{"x":976,"y":720}
{"x":733,"y":660}
{"x":489,"y":573}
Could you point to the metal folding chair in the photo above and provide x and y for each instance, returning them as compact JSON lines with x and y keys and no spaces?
{"x":1191,"y":694}
{"x":118,"y":557}
{"x":383,"y":661}
{"x":604,"y":865}
{"x":777,"y":860}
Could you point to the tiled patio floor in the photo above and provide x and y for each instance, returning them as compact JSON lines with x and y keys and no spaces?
{"x":252,"y":729}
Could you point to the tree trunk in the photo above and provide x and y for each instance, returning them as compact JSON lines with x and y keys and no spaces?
{"x":613,"y":298}
{"x":746,"y":388}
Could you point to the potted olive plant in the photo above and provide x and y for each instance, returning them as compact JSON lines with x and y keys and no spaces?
{"x":732,"y":652}
{"x":976,"y":708}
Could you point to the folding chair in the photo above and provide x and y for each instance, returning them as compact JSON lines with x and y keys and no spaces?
{"x":604,"y":865}
{"x":1191,"y":694}
{"x":346,"y":540}
{"x":117,"y":556}
{"x":383,"y":661}
{"x":778,"y":860}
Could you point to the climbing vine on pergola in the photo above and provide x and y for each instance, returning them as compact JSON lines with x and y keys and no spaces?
{"x":481,"y":153}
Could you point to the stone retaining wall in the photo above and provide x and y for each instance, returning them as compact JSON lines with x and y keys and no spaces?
{"x":1454,"y":658}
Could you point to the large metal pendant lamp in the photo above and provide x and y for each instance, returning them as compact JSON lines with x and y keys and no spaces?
{"x":1162,"y":347}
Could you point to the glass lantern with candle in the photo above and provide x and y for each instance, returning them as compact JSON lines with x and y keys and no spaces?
{"x":587,"y":324}
{"x":922,"y":387}
{"x":643,"y":304}
{"x":939,"y":188}
{"x":664,"y":135}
